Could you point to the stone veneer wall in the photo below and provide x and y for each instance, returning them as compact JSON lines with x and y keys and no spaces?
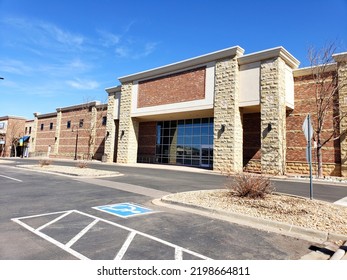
{"x":227,"y":151}
{"x":128,"y":128}
{"x":273,"y":112}
{"x":110,"y":128}
{"x":342,"y":83}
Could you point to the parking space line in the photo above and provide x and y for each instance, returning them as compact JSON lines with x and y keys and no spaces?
{"x":14,"y":179}
{"x":125,"y":246}
{"x":147,"y":236}
{"x":51,"y":240}
{"x":53,"y":221}
{"x":81,"y":233}
{"x":132,"y":233}
{"x":178,"y":254}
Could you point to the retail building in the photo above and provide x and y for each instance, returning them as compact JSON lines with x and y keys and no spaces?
{"x":226,"y":111}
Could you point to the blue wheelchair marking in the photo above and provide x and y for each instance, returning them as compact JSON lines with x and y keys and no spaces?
{"x":124,"y":210}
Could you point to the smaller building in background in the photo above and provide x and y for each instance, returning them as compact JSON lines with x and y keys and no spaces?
{"x":13,"y":139}
{"x":71,"y":132}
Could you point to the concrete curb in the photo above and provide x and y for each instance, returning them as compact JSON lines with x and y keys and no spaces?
{"x":67,"y":174}
{"x":340,"y":253}
{"x":259,"y":223}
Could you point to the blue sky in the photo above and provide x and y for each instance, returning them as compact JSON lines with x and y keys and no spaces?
{"x":58,"y":53}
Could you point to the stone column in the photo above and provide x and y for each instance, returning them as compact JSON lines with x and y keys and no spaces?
{"x":128,"y":128}
{"x":273,"y":116}
{"x":57,"y":132}
{"x":341,"y":60}
{"x":93,"y":126}
{"x":110,"y":128}
{"x":228,"y":131}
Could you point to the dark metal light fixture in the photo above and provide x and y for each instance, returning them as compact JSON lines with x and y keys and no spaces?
{"x":222,"y":129}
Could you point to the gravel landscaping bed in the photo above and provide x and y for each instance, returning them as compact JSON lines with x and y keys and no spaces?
{"x":72,"y":170}
{"x":312,"y":214}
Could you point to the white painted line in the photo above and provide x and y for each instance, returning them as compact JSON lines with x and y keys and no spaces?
{"x":81,"y":233}
{"x":178,"y":250}
{"x":14,"y":179}
{"x":146,"y":235}
{"x":50,"y":239}
{"x":40,"y":215}
{"x":125,"y":246}
{"x":178,"y":254}
{"x":342,"y":201}
{"x":53,"y":221}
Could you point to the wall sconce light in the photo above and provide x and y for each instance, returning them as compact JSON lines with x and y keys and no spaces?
{"x":122,"y":134}
{"x":222,"y":129}
{"x":55,"y":138}
{"x":107,"y":134}
{"x":269,"y":127}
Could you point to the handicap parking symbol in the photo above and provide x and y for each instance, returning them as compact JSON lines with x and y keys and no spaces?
{"x":124,"y":210}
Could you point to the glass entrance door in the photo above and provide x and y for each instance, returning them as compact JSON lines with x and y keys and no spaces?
{"x":206,"y":155}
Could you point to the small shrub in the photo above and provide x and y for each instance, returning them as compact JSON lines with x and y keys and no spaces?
{"x":82,"y":164}
{"x":249,"y":185}
{"x":45,"y":162}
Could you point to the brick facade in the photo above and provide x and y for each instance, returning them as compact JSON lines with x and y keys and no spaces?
{"x":45,"y":134}
{"x":147,"y":142}
{"x":251,"y":142}
{"x":12,"y":128}
{"x":180,"y":87}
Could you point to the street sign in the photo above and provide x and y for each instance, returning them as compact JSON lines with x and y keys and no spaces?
{"x":307,"y":128}
{"x":308,"y":132}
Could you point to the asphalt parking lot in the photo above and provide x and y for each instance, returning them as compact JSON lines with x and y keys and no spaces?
{"x":46,"y":216}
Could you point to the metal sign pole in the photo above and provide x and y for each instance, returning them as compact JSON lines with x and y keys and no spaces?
{"x":310,"y":156}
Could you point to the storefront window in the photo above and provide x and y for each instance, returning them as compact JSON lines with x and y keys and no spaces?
{"x":186,"y":142}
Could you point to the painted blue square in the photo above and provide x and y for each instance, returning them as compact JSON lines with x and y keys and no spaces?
{"x":124,"y":210}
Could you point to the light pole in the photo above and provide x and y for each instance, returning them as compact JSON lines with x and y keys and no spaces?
{"x":76,"y":128}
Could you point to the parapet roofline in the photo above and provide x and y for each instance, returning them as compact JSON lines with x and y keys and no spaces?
{"x":270,"y":53}
{"x":113,"y":89}
{"x":229,"y":52}
{"x":5,"y":118}
{"x":78,"y":106}
{"x":312,"y":69}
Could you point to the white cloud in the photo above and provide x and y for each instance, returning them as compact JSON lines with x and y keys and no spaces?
{"x":14,"y":67}
{"x":136,"y":51}
{"x":30,"y":33}
{"x":108,"y":39}
{"x":122,"y":51}
{"x":83,"y":84}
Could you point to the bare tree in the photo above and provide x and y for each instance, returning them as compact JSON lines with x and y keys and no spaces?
{"x":15,"y":131}
{"x":95,"y":110}
{"x":326,"y":116}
